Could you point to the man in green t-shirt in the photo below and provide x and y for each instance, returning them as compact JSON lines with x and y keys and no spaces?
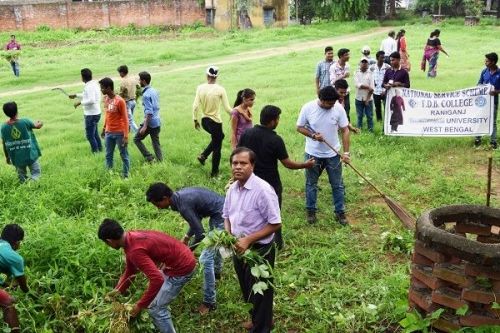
{"x":11,"y":264}
{"x":19,"y":143}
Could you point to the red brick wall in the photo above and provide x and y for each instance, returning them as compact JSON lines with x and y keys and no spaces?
{"x":99,"y":14}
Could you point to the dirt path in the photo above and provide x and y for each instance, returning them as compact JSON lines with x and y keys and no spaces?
{"x":235,"y":58}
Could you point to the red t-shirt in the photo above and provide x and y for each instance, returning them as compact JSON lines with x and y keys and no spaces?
{"x":145,"y":251}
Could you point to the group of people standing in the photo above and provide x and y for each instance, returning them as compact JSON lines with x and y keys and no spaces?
{"x":119,"y":115}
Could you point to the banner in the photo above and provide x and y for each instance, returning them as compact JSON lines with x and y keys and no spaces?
{"x":466,"y":112}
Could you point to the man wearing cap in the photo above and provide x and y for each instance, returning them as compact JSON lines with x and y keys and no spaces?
{"x":389,"y":45}
{"x":366,"y":55}
{"x":209,"y":98}
{"x":323,"y":70}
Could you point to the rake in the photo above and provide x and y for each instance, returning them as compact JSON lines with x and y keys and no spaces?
{"x":407,"y":219}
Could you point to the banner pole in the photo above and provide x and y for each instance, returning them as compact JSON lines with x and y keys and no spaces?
{"x":488,"y":191}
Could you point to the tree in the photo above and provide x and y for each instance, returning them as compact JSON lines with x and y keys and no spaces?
{"x":349,"y":10}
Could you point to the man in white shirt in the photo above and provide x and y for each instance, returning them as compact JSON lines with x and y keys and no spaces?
{"x":341,"y":70}
{"x":378,"y":72}
{"x":320,"y":121}
{"x":90,"y":100}
{"x":363,"y":80}
{"x":389,"y":45}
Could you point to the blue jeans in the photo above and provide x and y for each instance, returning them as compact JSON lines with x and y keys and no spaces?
{"x":111,"y":140}
{"x":211,"y":261}
{"x":15,"y":67}
{"x":130,"y":111}
{"x":158,"y":309}
{"x":333,"y":167}
{"x":92,"y":133}
{"x":361,"y":110}
{"x":35,"y":170}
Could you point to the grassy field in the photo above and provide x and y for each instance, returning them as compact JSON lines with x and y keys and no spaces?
{"x":328,"y":279}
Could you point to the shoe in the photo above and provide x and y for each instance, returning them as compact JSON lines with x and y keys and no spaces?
{"x":311,"y":217}
{"x":494,"y":145}
{"x":342,"y":219}
{"x":150,"y":159}
{"x":477,"y":143}
{"x":205,"y":308}
{"x":201,"y":159}
{"x":218,"y":276}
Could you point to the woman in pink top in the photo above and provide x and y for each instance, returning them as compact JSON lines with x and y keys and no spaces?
{"x":241,"y":116}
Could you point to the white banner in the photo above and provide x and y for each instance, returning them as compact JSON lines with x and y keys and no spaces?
{"x":466,"y":112}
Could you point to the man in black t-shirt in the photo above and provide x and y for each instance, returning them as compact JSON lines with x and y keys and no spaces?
{"x":269,"y":148}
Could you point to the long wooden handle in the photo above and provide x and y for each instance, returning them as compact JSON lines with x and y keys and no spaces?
{"x":356,"y":170}
{"x":488,"y":191}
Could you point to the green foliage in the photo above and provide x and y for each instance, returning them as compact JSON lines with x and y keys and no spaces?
{"x":397,"y":243}
{"x":473,"y":7}
{"x":414,"y":322}
{"x":349,"y":10}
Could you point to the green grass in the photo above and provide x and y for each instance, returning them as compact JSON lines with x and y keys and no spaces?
{"x":328,"y":279}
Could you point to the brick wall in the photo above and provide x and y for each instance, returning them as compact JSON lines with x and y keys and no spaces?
{"x":28,"y":15}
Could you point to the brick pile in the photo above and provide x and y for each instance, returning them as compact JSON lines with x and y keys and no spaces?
{"x":456,"y":263}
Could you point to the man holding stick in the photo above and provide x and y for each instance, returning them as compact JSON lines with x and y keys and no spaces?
{"x":320,"y":121}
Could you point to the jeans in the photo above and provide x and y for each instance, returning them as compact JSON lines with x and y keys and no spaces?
{"x":15,"y":67}
{"x":262,"y":305}
{"x":35,"y":170}
{"x":361,"y":110}
{"x":377,"y":100}
{"x":111,"y":140}
{"x":130,"y":112}
{"x":215,"y":145}
{"x":158,"y":309}
{"x":333,"y":167}
{"x":493,"y":137}
{"x":155,"y":140}
{"x":211,"y":260}
{"x":92,"y":133}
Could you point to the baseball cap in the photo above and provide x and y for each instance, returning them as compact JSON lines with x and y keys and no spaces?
{"x":212,"y":71}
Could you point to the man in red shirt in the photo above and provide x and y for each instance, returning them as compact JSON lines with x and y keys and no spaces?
{"x":144,"y":250}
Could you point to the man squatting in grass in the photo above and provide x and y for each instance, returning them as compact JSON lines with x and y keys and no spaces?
{"x":209,"y":98}
{"x":321,"y":120}
{"x":115,"y":129}
{"x":491,"y":75}
{"x":90,"y":100}
{"x":128,"y":90}
{"x":252,"y":214}
{"x":195,"y":203}
{"x":19,"y":143}
{"x":270,"y":148}
{"x":151,"y":124}
{"x":11,"y":264}
{"x":143,"y":250}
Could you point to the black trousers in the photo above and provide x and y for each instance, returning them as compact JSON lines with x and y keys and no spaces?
{"x":215,"y":145}
{"x":378,"y":99}
{"x":262,"y":310}
{"x":154,"y":133}
{"x":347,"y":105}
{"x":278,"y":236}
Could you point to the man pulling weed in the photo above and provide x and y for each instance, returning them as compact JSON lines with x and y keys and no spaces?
{"x":144,"y":249}
{"x":195,"y":203}
{"x":19,"y":143}
{"x":252,"y":214}
{"x":11,"y":264}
